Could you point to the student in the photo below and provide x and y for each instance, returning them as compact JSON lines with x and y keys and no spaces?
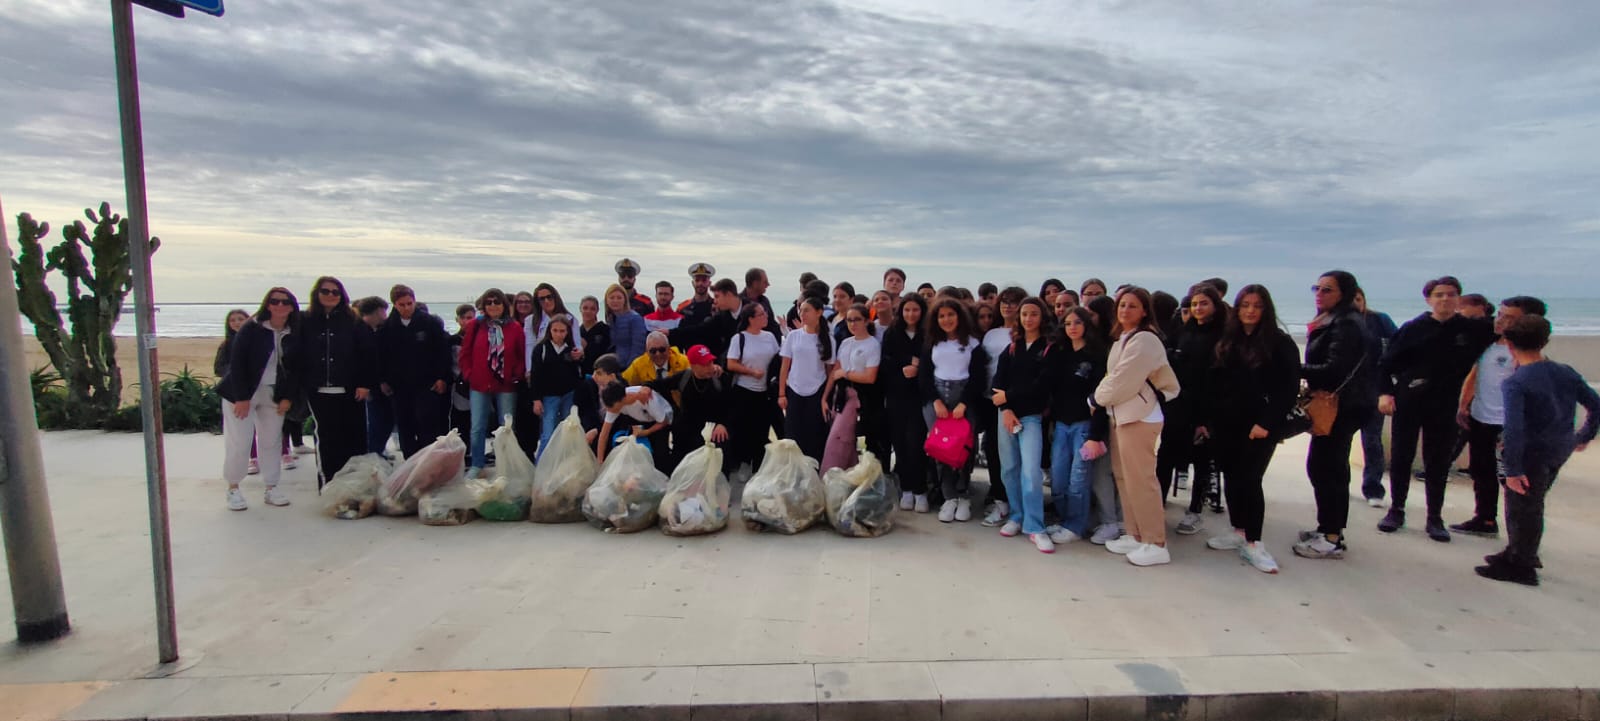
{"x":1419,"y":381}
{"x":1248,"y":394}
{"x":1074,"y":368}
{"x":1138,"y":378}
{"x":555,"y":377}
{"x":1541,"y":399}
{"x":414,"y":369}
{"x":1049,"y":290}
{"x":997,"y":337}
{"x":379,"y":412}
{"x":1481,"y":413}
{"x":235,"y":320}
{"x":952,"y":377}
{"x":755,"y":291}
{"x":844,"y":296}
{"x":587,"y":398}
{"x":1065,"y":301}
{"x":927,"y":292}
{"x":989,"y":293}
{"x":650,"y":413}
{"x":257,"y":388}
{"x":1474,"y":306}
{"x":701,"y":394}
{"x":460,"y":394}
{"x":1336,"y":342}
{"x":894,"y":281}
{"x":857,"y":369}
{"x":900,"y":358}
{"x":882,"y":310}
{"x":627,"y":326}
{"x":1103,"y":498}
{"x":547,"y":301}
{"x":336,"y":371}
{"x":751,"y":358}
{"x":1021,"y":393}
{"x":491,"y":363}
{"x":1091,"y":289}
{"x":595,"y":334}
{"x":1380,"y":328}
{"x":1193,"y":355}
{"x":808,"y":356}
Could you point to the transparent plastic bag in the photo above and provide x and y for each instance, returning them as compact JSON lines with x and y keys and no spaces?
{"x":565,"y":471}
{"x":786,"y":495}
{"x":861,"y":500}
{"x":627,"y":493}
{"x":697,"y":495}
{"x":452,"y":504}
{"x":353,"y":492}
{"x":507,"y":496}
{"x":439,"y":463}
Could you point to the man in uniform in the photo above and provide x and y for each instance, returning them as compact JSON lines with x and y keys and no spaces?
{"x":627,"y":273}
{"x":695,"y":310}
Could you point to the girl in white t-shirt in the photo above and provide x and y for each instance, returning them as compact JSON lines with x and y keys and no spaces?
{"x":808,"y":354}
{"x":755,"y":404}
{"x":859,"y":356}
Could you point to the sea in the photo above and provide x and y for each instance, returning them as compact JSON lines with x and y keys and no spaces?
{"x":1568,"y":316}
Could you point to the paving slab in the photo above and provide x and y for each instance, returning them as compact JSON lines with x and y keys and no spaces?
{"x":786,"y":692}
{"x":893,"y":691}
{"x":1015,"y":690}
{"x":645,"y":693}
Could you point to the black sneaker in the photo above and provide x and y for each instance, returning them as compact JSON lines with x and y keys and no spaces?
{"x":1436,"y":530}
{"x":1508,"y":572}
{"x":1478,"y":527}
{"x":1392,"y":521}
{"x":1500,"y":557}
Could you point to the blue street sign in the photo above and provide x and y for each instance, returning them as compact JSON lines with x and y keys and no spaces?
{"x":209,"y":7}
{"x":175,"y":7}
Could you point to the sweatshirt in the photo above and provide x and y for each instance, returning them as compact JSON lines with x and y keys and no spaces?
{"x":1074,"y":374}
{"x":1541,"y":408}
{"x":554,"y":373}
{"x":1427,"y":359}
{"x":1023,"y":373}
{"x":1239,"y":396}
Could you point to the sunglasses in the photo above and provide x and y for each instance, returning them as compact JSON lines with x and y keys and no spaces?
{"x":327,"y":291}
{"x":279,"y":301}
{"x":490,"y":302}
{"x":654,"y":351}
{"x":1323,"y":290}
{"x":544,"y":298}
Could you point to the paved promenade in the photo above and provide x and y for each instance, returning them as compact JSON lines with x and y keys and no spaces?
{"x":283,"y":612}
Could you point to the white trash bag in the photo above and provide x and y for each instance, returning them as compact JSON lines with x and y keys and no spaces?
{"x":452,"y":504}
{"x":353,"y":492}
{"x":786,"y":495}
{"x":627,"y":493}
{"x":508,"y":494}
{"x":437,"y":464}
{"x":566,"y":470}
{"x":697,"y":495}
{"x":861,"y":500}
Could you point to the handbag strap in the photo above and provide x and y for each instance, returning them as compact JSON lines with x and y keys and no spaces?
{"x":1353,"y":372}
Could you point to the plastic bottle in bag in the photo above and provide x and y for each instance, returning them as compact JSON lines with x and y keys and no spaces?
{"x":785,"y":495}
{"x":353,"y":492}
{"x":565,"y":471}
{"x":861,"y":500}
{"x":697,"y":495}
{"x":507,"y":496}
{"x":627,"y":494}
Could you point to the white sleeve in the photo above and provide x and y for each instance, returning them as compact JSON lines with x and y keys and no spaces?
{"x":874,"y":355}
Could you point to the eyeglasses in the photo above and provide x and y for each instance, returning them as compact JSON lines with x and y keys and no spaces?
{"x":1323,"y":290}
{"x":524,"y":301}
{"x":654,"y":351}
{"x":327,"y":291}
{"x":279,"y":301}
{"x":491,"y":301}
{"x":855,"y":319}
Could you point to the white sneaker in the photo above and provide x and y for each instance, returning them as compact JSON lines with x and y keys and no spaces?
{"x":236,"y":500}
{"x":1149,"y":554}
{"x":1042,"y":542}
{"x":1230,"y":541}
{"x":963,"y":510}
{"x":289,"y":463}
{"x":303,"y":450}
{"x":1375,"y":503}
{"x":1123,"y":545}
{"x":947,"y":511}
{"x":1256,"y":555}
{"x":276,"y":497}
{"x":1106,"y":534}
{"x":1183,"y":480}
{"x":1319,"y":547}
{"x":254,"y":469}
{"x":1191,"y":524}
{"x":997,"y":514}
{"x":922,"y":503}
{"x":1062,"y":535}
{"x":1011,"y":529}
{"x":907,"y":500}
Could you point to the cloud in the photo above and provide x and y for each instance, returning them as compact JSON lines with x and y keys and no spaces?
{"x":507,"y":144}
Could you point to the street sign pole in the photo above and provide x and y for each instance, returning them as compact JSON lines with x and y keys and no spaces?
{"x":145,"y":324}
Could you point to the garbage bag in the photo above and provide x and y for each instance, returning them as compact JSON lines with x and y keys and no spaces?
{"x":566,"y":470}
{"x":508,"y":494}
{"x":353,"y":492}
{"x":452,"y":504}
{"x":786,"y":494}
{"x":861,"y":500}
{"x":627,"y":493}
{"x":440,"y":462}
{"x":697,"y":495}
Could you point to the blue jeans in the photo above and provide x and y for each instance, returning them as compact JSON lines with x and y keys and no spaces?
{"x":556,"y":409}
{"x":1373,"y":461}
{"x":1019,"y":470}
{"x":380,"y":422}
{"x":1071,"y":476}
{"x":482,"y":405}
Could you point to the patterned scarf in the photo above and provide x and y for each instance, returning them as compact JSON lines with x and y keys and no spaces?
{"x":497,"y":348}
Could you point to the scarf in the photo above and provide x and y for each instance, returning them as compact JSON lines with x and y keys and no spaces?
{"x":497,"y":348}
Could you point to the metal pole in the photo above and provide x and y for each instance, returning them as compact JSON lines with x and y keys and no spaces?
{"x":37,"y":598}
{"x":145,"y":322}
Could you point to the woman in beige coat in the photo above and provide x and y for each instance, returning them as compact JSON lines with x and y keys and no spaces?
{"x":1137,"y":378}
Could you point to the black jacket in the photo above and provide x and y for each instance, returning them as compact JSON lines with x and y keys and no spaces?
{"x":712,"y":331}
{"x":336,"y":351}
{"x":1024,"y":375}
{"x":1428,"y":359}
{"x":897,"y":352}
{"x":596,"y":343}
{"x":1074,"y":374}
{"x":1239,"y":396}
{"x":587,"y":401}
{"x":554,"y":374}
{"x":1192,"y":354}
{"x":977,"y":377}
{"x":413,"y":356}
{"x":248,"y":356}
{"x":698,"y":401}
{"x":1335,"y":356}
{"x":219,"y":365}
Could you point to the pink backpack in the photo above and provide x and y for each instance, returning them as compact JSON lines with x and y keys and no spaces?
{"x":950,"y":442}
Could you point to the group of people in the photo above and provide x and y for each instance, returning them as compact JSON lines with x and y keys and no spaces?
{"x":1113,"y":396}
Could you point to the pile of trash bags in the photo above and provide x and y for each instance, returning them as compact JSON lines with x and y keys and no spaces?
{"x":452,"y":504}
{"x":506,"y":496}
{"x":697,"y":495}
{"x":566,"y":470}
{"x":627,"y":494}
{"x":431,"y":468}
{"x":861,"y":500}
{"x":785,"y":495}
{"x":353,"y":492}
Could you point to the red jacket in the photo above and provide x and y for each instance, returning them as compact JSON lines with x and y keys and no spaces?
{"x":475,"y":358}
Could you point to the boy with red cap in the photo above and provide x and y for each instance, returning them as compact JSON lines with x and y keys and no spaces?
{"x":701,"y":396}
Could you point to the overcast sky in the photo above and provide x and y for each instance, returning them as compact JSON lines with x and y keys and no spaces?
{"x":457,"y":145}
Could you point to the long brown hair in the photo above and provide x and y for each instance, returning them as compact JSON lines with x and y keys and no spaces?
{"x":1149,"y":321}
{"x":964,"y":323}
{"x":1046,"y":321}
{"x":344,"y":298}
{"x":264,"y":313}
{"x":1252,"y":348}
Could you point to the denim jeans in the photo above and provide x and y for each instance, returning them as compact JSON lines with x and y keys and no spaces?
{"x":482,"y":405}
{"x":1070,"y":476}
{"x":1373,"y":461}
{"x":556,"y":409}
{"x":1021,"y":474}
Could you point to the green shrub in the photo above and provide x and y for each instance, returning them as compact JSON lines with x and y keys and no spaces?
{"x":188,"y":404}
